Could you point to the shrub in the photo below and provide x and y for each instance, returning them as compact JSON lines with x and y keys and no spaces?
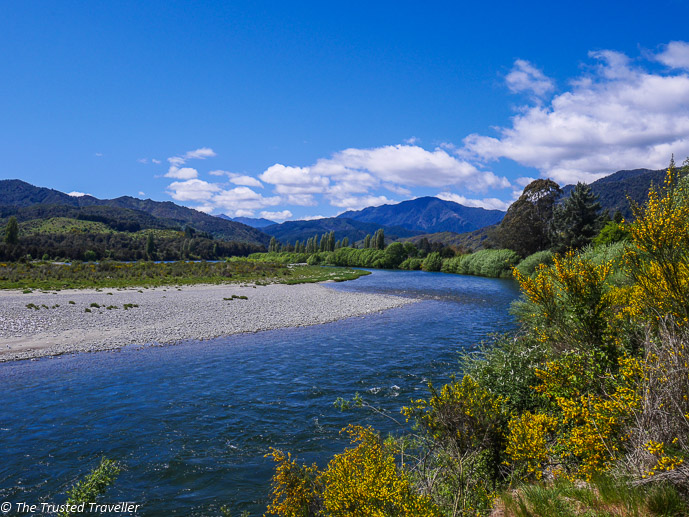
{"x":529,"y":265}
{"x":432,"y":262}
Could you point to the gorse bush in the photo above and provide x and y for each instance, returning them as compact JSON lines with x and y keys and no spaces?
{"x":362,"y":481}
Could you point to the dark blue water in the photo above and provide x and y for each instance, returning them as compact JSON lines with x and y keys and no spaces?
{"x":191,"y":423}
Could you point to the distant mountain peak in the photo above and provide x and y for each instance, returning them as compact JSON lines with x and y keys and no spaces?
{"x":429,"y":215}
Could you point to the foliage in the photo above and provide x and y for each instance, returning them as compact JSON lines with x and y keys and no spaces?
{"x":94,"y":485}
{"x":362,"y":481}
{"x":488,"y":263}
{"x":658,"y":261}
{"x":577,"y":220}
{"x":432,"y":262}
{"x":602,"y":497}
{"x":118,"y":274}
{"x":411,"y":264}
{"x":571,"y":306}
{"x":12,"y":231}
{"x":526,"y":227}
{"x":530,"y":264}
{"x":464,"y":424}
{"x":610,"y":233}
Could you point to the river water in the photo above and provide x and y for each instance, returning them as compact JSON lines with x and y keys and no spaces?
{"x":190,"y":424}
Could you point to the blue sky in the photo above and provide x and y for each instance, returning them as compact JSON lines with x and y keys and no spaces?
{"x":301,"y":109}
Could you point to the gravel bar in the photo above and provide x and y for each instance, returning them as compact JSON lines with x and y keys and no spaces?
{"x":166,"y":315}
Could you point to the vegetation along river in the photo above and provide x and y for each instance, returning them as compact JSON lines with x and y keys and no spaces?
{"x":191,"y":423}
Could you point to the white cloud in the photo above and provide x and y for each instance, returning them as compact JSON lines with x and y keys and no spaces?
{"x":176,"y":162}
{"x":301,"y":200}
{"x":524,"y":181}
{"x":410,"y":166}
{"x":238,"y":179}
{"x":411,"y":141}
{"x":242,"y":198}
{"x":197,"y":154}
{"x":396,"y":189}
{"x":247,"y":181}
{"x":526,"y":78}
{"x":157,"y":162}
{"x":206,"y":209}
{"x":185,"y":173}
{"x":294,"y":180}
{"x":142,"y":193}
{"x":675,"y":55}
{"x":74,"y":193}
{"x":311,"y":217}
{"x":277,"y":216}
{"x":357,"y":203}
{"x":487,"y":203}
{"x":98,"y":154}
{"x":192,"y":190}
{"x":142,"y":160}
{"x":616,"y":117}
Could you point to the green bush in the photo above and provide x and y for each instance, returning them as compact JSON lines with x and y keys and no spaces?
{"x":411,"y":264}
{"x":530,"y":264}
{"x":432,"y":262}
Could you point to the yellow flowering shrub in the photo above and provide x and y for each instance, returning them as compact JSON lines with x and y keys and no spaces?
{"x":570,"y":305}
{"x":363,"y":481}
{"x":296,"y":488}
{"x":528,"y":441}
{"x":465,"y":426}
{"x":658,"y":259}
{"x":591,"y":422}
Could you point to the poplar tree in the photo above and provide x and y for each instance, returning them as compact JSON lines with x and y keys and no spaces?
{"x":12,"y":231}
{"x":379,"y":239}
{"x":367,"y":241}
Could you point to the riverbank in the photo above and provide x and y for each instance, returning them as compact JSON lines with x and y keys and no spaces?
{"x":41,"y":324}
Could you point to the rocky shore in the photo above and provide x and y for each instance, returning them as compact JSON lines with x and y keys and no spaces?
{"x":41,"y":324}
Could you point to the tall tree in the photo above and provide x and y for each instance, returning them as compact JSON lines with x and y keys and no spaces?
{"x":379,"y":239}
{"x":273,"y":246}
{"x":367,"y":241}
{"x":150,"y":247}
{"x":527,"y":225}
{"x":12,"y":231}
{"x":578,"y":220}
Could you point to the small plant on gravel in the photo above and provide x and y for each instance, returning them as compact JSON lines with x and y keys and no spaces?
{"x":72,"y":302}
{"x":94,"y":304}
{"x":32,"y":306}
{"x":27,"y":291}
{"x":87,"y":309}
{"x":128,"y":306}
{"x":110,"y":307}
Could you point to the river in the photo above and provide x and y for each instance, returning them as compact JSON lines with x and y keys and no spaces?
{"x":191,"y":423}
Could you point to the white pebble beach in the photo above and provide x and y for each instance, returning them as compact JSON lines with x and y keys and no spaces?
{"x":166,"y":315}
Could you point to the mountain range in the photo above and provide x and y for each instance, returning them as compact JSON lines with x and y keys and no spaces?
{"x":27,"y":202}
{"x":429,"y":217}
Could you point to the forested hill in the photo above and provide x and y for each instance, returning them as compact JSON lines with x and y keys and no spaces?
{"x":428,"y":215}
{"x":292,"y":231}
{"x":613,"y":191}
{"x":27,"y":202}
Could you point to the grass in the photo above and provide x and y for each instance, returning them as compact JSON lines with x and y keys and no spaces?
{"x":604,"y":497}
{"x":110,"y":274}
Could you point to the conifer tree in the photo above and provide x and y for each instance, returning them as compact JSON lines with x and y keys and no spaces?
{"x":578,"y":220}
